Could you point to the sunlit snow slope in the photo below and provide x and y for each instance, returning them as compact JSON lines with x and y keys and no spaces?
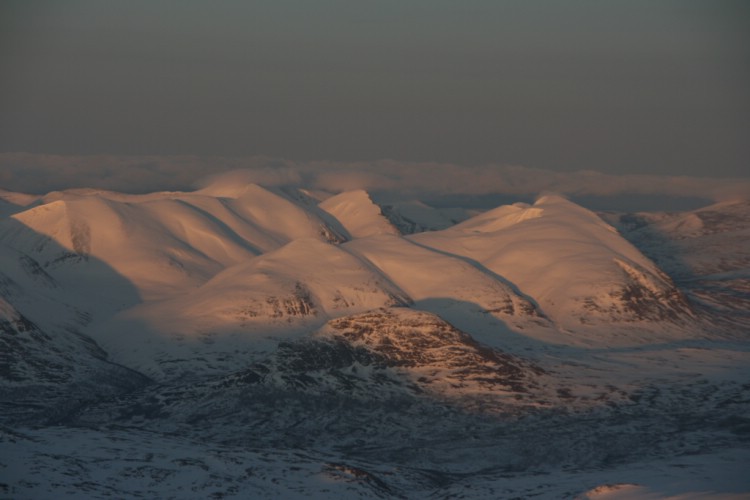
{"x":578,"y":268}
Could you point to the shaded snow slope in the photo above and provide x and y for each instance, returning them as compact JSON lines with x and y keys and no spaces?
{"x":707,"y":241}
{"x":706,"y":251}
{"x":415,"y":217}
{"x":48,"y":367}
{"x":47,"y":374}
{"x":11,"y":202}
{"x":578,"y":268}
{"x":101,"y":463}
{"x":399,"y":352}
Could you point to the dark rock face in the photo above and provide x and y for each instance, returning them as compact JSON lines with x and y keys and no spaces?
{"x":407,"y":350}
{"x":640,"y":303}
{"x":298,"y":304}
{"x":641,"y":298}
{"x":419,"y":340}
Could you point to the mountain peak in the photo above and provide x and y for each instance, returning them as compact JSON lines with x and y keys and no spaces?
{"x":500,"y":218}
{"x":578,"y":268}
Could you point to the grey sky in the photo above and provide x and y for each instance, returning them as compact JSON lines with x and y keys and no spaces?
{"x":625,"y":87}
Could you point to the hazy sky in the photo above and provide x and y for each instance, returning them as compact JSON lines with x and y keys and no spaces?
{"x":625,"y":86}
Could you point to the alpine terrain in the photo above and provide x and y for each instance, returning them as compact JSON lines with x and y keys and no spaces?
{"x":239,"y":341}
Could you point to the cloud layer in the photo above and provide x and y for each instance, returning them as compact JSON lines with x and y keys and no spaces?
{"x":39,"y":174}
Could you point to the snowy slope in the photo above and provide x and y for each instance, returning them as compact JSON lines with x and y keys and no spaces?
{"x":379,"y":355}
{"x":161,"y":243}
{"x":407,"y":406}
{"x":100,"y":463}
{"x":439,"y":359}
{"x":277,"y":345}
{"x":578,"y":268}
{"x":283,"y":293}
{"x":158,"y":246}
{"x":706,"y":251}
{"x":452,"y":288}
{"x":11,"y":202}
{"x":358,"y":214}
{"x":48,"y":367}
{"x":702,"y":242}
{"x":415,"y":216}
{"x":47,"y":374}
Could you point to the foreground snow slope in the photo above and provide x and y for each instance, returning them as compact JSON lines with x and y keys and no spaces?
{"x":48,"y":366}
{"x":88,"y":463}
{"x":578,"y":268}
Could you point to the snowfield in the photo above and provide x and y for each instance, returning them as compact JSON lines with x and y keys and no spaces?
{"x":248,"y":342}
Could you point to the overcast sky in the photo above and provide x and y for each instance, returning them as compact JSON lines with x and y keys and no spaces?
{"x":626,"y":87}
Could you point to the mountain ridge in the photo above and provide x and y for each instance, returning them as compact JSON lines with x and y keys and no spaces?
{"x":239,"y":338}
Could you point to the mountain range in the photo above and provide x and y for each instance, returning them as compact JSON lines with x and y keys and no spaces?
{"x":241,"y":341}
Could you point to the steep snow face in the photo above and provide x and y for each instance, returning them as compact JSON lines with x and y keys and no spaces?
{"x":358,"y":214}
{"x":48,"y":366}
{"x":578,"y":268}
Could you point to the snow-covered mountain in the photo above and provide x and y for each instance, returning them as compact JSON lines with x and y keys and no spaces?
{"x":161,"y":243}
{"x":48,"y":366}
{"x":392,"y":351}
{"x":483,"y":303}
{"x":577,"y":267}
{"x":358,"y":214}
{"x":704,"y":250}
{"x":282,"y":294}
